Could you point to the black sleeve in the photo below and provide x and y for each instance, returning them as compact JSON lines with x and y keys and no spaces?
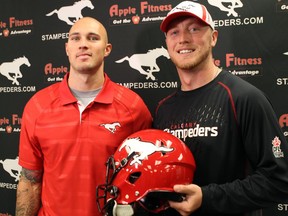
{"x":267,"y":153}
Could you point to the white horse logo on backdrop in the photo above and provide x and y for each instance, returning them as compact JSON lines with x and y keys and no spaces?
{"x":12,"y":167}
{"x":142,"y":149}
{"x":11,"y":70}
{"x":138,"y":61}
{"x":73,"y":11}
{"x":230,"y":9}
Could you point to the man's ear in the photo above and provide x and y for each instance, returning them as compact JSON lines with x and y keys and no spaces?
{"x":108,"y":49}
{"x":214,"y":37}
{"x":66,"y":49}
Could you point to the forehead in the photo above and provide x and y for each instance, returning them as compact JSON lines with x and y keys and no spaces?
{"x":185,"y":20}
{"x":86,"y":26}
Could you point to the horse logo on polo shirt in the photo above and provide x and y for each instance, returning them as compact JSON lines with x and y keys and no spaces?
{"x":112,"y":127}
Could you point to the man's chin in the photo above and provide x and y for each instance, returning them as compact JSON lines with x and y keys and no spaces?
{"x":85,"y":69}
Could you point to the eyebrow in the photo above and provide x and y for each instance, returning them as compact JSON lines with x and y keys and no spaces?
{"x":89,"y":34}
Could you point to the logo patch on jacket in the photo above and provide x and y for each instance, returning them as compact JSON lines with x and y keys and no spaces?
{"x":276,"y":142}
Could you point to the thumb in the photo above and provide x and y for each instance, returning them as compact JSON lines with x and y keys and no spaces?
{"x":180,"y":188}
{"x":186,"y":189}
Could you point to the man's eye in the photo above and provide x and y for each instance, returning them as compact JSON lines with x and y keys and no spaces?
{"x":74,"y":38}
{"x":93,"y":38}
{"x":173,"y":33}
{"x":193,"y":29}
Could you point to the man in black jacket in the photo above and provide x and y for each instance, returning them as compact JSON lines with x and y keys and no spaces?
{"x":229,"y":125}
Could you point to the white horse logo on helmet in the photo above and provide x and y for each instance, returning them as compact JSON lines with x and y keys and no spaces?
{"x":230,"y":8}
{"x":142,"y":149}
{"x":148,"y":60}
{"x":73,"y":11}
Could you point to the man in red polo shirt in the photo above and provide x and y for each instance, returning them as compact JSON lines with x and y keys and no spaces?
{"x":70,"y":128}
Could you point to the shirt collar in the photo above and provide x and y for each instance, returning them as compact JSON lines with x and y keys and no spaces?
{"x":105,"y":96}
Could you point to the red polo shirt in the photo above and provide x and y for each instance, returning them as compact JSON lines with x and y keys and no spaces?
{"x":71,"y":151}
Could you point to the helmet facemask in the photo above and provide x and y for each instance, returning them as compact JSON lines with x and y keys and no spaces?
{"x":103,"y":190}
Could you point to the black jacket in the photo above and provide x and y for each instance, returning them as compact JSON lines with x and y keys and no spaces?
{"x":234,"y":135}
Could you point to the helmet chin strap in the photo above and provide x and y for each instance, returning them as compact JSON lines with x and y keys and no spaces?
{"x":118,"y":210}
{"x":122,"y":210}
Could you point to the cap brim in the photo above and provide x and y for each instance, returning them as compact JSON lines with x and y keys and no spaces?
{"x":171,"y":17}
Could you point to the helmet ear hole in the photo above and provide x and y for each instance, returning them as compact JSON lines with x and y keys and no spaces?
{"x":134,"y":177}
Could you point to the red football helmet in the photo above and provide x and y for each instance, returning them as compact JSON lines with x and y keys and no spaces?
{"x":144,"y":170}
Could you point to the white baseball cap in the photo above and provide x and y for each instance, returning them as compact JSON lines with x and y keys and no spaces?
{"x":188,"y":8}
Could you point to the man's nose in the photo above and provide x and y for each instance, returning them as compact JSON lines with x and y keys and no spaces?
{"x":184,"y":37}
{"x":83,"y":43}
